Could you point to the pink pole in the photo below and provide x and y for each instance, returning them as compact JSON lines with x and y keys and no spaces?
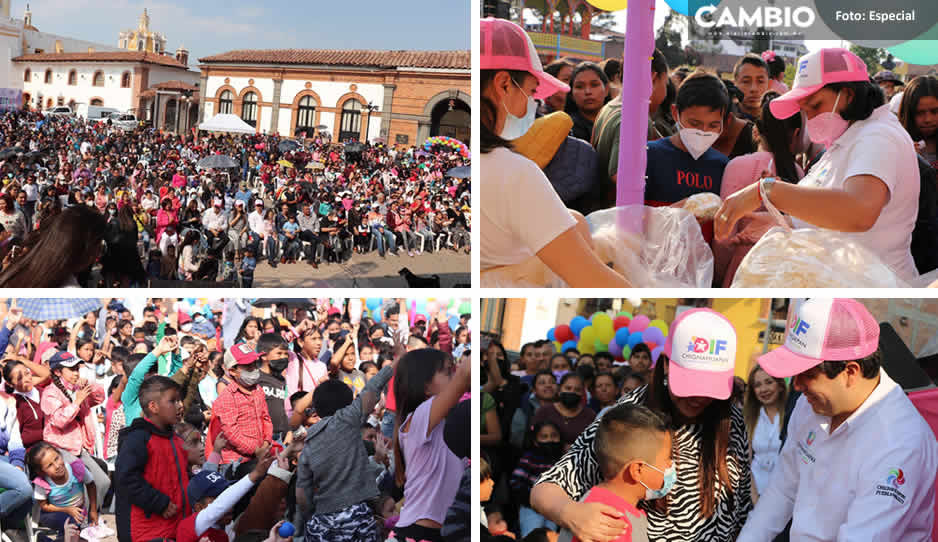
{"x":633,"y":136}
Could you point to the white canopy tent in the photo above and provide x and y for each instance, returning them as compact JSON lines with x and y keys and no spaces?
{"x":226,"y":122}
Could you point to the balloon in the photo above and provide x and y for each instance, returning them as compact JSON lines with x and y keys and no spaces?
{"x":635,"y":338}
{"x":605,"y":333}
{"x":376,"y":314}
{"x":372,"y":303}
{"x":453,"y":322}
{"x":599,"y":317}
{"x":577,"y":324}
{"x":588,"y":334}
{"x":614,"y":348}
{"x":620,"y":322}
{"x":563,"y":333}
{"x":586,"y":347}
{"x":609,"y":5}
{"x":637,"y":53}
{"x":660,"y":324}
{"x":550,"y":335}
{"x":626,"y":352}
{"x":622,"y":336}
{"x":655,"y":353}
{"x":430,"y":307}
{"x":627,"y":314}
{"x":654,"y":335}
{"x":558,"y":346}
{"x":600,"y":346}
{"x":639,"y":323}
{"x":465,"y":307}
{"x":567,"y":346}
{"x":650,"y":345}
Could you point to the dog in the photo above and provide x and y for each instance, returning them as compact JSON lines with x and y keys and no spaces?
{"x":416,"y":281}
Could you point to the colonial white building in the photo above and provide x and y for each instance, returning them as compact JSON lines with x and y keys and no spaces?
{"x":398,"y":96}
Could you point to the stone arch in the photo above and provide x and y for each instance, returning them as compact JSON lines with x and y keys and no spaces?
{"x":93,"y":99}
{"x":295,"y":108}
{"x":239,"y":102}
{"x":425,"y":124}
{"x":217,"y":99}
{"x":340,"y":103}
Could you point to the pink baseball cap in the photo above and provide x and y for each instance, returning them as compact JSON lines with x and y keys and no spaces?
{"x":240,"y":354}
{"x":823,"y":330}
{"x":702,"y":348}
{"x":506,"y":46}
{"x":822,"y":67}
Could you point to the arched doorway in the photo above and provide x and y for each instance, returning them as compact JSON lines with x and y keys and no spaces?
{"x":169,"y":115}
{"x":451,"y":118}
{"x":193,"y":115}
{"x":97,"y":101}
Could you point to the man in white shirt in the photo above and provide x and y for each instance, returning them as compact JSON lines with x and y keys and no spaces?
{"x":256,"y":224}
{"x":149,"y":202}
{"x":860,"y":461}
{"x":215,"y":221}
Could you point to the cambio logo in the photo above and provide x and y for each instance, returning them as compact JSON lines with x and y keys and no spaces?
{"x":759,"y":17}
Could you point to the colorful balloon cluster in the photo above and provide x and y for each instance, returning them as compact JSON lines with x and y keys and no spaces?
{"x":426,"y":307}
{"x":603,"y":333}
{"x":448,"y":142}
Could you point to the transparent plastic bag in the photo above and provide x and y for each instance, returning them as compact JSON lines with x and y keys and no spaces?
{"x":703,"y":205}
{"x":531,"y":273}
{"x":812,"y":258}
{"x":669,"y":253}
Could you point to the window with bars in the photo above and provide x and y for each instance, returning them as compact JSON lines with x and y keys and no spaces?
{"x":351,"y":125}
{"x":306,"y":114}
{"x":249,"y":109}
{"x":224,"y":102}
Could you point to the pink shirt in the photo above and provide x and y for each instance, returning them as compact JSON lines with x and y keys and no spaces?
{"x":312,"y":370}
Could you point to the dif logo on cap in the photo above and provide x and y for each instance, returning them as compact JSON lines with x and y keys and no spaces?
{"x":702,"y":351}
{"x":807,"y":328}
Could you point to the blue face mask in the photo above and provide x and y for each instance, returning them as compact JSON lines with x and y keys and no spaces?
{"x":516,"y":127}
{"x":670,"y":476}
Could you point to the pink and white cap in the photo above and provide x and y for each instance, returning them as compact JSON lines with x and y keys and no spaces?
{"x":816,"y":69}
{"x":702,"y":348}
{"x":503,"y":45}
{"x":823,"y":330}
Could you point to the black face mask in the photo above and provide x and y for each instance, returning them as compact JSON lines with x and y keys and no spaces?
{"x":369,"y":447}
{"x":278,"y":365}
{"x":550,"y":449}
{"x":569,"y":399}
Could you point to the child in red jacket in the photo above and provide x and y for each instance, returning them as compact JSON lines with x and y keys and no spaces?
{"x":152,"y":472}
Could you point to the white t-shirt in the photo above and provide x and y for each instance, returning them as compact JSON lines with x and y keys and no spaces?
{"x":881,"y":147}
{"x":520,"y":211}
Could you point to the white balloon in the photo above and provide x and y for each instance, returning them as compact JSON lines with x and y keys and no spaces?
{"x":636,"y":302}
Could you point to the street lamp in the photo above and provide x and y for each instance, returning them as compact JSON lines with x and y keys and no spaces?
{"x":371,"y":109}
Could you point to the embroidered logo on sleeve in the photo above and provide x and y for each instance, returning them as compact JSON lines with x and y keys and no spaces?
{"x":894,"y":480}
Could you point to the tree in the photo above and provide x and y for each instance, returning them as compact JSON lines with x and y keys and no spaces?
{"x":668,"y":41}
{"x":760,"y":41}
{"x":872,"y":56}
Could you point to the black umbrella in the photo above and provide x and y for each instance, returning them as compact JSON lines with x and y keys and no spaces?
{"x":321,"y":127}
{"x":290,"y":302}
{"x":11,"y":151}
{"x":287,"y":145}
{"x":218,"y":161}
{"x":354,"y":147}
{"x":461,"y":172}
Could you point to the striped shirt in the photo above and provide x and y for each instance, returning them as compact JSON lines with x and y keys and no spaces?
{"x":577,"y":472}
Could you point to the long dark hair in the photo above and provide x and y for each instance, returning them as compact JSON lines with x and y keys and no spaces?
{"x":488,"y":139}
{"x":571,"y":106}
{"x":260,"y":327}
{"x":35,"y":452}
{"x":57,"y":382}
{"x":57,"y":251}
{"x":715,"y":423}
{"x":8,"y":374}
{"x":776,"y":134}
{"x":125,"y":217}
{"x":918,"y":88}
{"x":414,"y":371}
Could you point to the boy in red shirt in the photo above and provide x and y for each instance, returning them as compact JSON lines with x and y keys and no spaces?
{"x":633,"y":449}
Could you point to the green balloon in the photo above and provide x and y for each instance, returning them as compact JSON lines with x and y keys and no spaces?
{"x":601,"y":346}
{"x":465,"y":307}
{"x":626,"y":314}
{"x":626,"y":352}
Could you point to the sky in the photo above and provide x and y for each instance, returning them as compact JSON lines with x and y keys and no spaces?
{"x":209,"y":27}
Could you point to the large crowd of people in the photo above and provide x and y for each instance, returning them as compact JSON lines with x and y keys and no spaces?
{"x":840,"y":151}
{"x":586,"y":447}
{"x":222,"y":420}
{"x":146,"y":210}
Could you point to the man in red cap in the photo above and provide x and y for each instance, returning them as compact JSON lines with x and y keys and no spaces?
{"x":241,"y":409}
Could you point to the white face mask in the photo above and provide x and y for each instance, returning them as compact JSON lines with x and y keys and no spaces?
{"x":697,"y":141}
{"x":516,"y":127}
{"x":249,"y":378}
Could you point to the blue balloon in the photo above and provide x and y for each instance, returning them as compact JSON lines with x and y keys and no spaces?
{"x":635,"y":338}
{"x":578,"y":323}
{"x":653,"y":335}
{"x":550,"y":335}
{"x":372,"y":303}
{"x":421,"y":306}
{"x":453,"y":322}
{"x":376,"y":314}
{"x":567,"y":346}
{"x":622,"y":336}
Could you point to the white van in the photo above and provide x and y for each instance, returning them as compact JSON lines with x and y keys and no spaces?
{"x":94,"y":112}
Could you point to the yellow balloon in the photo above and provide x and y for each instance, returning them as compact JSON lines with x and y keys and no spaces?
{"x":605,"y":334}
{"x":588,"y":335}
{"x":558,"y":345}
{"x":608,"y":5}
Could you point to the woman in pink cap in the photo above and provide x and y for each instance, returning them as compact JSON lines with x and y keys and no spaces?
{"x":867,"y":181}
{"x":525,"y":225}
{"x":710,"y":499}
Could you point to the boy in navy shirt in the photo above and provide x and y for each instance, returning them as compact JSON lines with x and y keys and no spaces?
{"x":685,"y":164}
